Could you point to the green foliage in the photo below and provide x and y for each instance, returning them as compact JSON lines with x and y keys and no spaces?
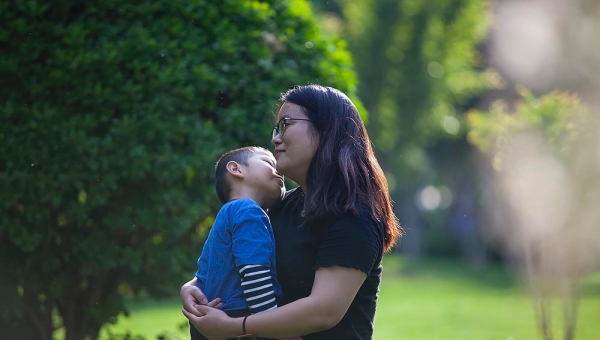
{"x":559,"y":117}
{"x":419,"y":65}
{"x":113,"y":114}
{"x":420,"y":69}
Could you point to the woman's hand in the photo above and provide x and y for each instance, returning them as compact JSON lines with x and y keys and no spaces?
{"x":192,"y":296}
{"x":213,"y":323}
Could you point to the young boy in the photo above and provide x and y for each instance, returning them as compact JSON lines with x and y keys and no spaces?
{"x":237,"y":263}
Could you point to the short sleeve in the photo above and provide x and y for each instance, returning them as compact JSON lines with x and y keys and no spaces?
{"x":350,"y":241}
{"x":252,"y":238}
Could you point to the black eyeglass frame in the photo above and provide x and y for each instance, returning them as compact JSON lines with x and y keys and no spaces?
{"x":281,"y":126}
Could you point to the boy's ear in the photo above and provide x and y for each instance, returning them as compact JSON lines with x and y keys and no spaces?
{"x":234,"y":169}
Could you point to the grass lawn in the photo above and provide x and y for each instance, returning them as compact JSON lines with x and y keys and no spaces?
{"x":438,"y":300}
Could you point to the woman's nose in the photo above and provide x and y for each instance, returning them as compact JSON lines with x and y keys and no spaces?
{"x":276,"y":140}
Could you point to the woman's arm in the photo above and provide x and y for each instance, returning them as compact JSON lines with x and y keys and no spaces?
{"x":333,"y":290}
{"x":192,"y":296}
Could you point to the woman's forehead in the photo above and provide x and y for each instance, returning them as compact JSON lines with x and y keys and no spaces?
{"x":290,"y":110}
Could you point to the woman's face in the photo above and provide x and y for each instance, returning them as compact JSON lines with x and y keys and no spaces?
{"x":296,"y":148}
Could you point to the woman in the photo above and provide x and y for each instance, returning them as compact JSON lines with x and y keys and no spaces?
{"x":330,"y":232}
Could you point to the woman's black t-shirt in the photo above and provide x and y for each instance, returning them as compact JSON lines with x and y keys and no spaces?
{"x":346,"y":240}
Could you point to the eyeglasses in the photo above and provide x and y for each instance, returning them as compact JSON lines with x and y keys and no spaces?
{"x":279,"y":129}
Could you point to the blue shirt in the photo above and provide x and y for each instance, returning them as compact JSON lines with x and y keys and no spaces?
{"x":241,"y":235}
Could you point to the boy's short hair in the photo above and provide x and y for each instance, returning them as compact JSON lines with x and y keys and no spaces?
{"x":240,"y":156}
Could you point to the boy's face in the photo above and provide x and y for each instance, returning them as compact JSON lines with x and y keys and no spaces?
{"x":261,"y":174}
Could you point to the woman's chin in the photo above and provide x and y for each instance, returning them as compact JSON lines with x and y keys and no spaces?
{"x":282,"y":168}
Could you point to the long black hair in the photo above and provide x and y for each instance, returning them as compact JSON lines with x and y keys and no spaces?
{"x":344,"y":171}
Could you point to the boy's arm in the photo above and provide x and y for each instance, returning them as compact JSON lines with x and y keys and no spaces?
{"x":253,"y":249}
{"x":257,"y":285}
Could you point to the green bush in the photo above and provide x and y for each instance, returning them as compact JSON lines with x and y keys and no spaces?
{"x":112,"y":116}
{"x":559,"y":117}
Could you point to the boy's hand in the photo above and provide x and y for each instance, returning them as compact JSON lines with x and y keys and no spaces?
{"x":216,"y":303}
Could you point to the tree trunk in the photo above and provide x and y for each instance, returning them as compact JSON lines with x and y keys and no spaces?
{"x":28,"y":320}
{"x":411,"y":242}
{"x":77,"y":320}
{"x":22,"y":328}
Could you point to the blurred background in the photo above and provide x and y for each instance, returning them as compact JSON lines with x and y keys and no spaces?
{"x":483,"y":114}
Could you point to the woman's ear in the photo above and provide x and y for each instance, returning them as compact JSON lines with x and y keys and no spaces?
{"x":234,"y":169}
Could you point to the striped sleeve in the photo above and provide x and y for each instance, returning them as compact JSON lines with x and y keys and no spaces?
{"x":257,"y":285}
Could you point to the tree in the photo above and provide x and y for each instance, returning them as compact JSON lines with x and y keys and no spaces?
{"x":113,"y":114}
{"x":419,"y":70}
{"x":546,"y":180}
